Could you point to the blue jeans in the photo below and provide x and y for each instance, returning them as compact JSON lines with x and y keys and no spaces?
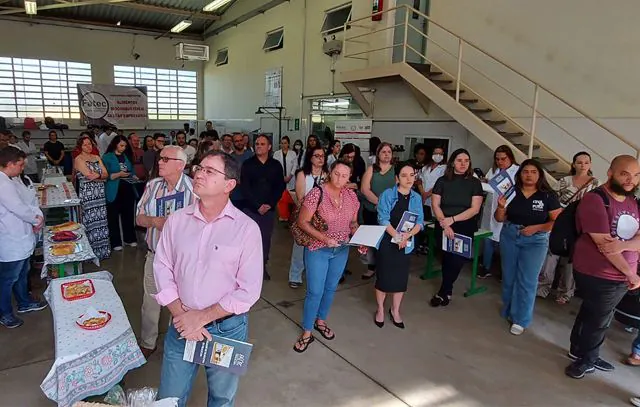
{"x":176,"y":376}
{"x":13,"y":278}
{"x":635,"y":348}
{"x":324,"y":269}
{"x":487,"y":253}
{"x":297,"y":263}
{"x":522,"y":259}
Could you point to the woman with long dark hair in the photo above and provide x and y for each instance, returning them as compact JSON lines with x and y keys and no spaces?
{"x":570,"y":189}
{"x":120,"y":196}
{"x":376,"y":179}
{"x":456,"y":201}
{"x":298,"y":148}
{"x":374,"y":143}
{"x":503,"y":159}
{"x":148,"y":144}
{"x":333,"y":152}
{"x":313,"y":173}
{"x":524,"y":240}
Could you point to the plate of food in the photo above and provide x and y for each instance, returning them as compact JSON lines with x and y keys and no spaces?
{"x":42,"y":187}
{"x":93,"y":319}
{"x":65,"y":227}
{"x":65,"y":236}
{"x":64,"y":249}
{"x":77,"y":290}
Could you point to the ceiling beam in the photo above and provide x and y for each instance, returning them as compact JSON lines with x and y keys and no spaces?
{"x":232,"y":17}
{"x":169,"y":10}
{"x":64,"y":5}
{"x":98,"y":26}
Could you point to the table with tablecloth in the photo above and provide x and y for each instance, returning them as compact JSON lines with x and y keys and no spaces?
{"x":88,"y":363}
{"x":85,"y":253}
{"x":59,"y":194}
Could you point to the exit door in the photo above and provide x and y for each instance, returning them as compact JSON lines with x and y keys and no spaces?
{"x":417,"y":41}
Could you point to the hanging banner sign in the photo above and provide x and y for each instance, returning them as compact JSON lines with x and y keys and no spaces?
{"x":357,"y":132}
{"x":119,"y":106}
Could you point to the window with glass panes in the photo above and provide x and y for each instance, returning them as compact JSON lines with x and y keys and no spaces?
{"x":41,"y":88}
{"x":171,"y":93}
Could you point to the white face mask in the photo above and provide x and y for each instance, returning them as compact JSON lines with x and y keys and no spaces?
{"x":437,"y":158}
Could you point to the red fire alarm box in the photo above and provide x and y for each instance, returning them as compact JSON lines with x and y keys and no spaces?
{"x":378,"y":6}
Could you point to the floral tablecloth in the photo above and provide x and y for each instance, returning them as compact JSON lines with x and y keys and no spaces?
{"x":85,"y":254}
{"x":62,"y":195}
{"x":88,"y":363}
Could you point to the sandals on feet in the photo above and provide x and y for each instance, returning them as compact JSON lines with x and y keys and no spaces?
{"x":562,"y":300}
{"x":303,"y":343}
{"x":324,"y":331}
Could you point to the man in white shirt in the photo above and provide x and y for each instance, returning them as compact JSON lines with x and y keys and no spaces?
{"x":29,"y":148}
{"x":181,"y":139}
{"x":20,"y":221}
{"x":105,"y":138}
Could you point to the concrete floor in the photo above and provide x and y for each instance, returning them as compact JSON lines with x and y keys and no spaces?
{"x":462,"y":355}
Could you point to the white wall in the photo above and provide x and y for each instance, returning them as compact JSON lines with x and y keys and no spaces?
{"x":101,"y":49}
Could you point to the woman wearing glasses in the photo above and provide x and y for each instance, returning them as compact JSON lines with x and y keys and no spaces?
{"x":120,"y":196}
{"x":313,"y":173}
{"x":326,"y":257}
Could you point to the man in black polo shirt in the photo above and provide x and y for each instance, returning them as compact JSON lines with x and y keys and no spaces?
{"x":261,"y":184}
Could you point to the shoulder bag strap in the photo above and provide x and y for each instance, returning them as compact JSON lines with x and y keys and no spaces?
{"x":586,"y":184}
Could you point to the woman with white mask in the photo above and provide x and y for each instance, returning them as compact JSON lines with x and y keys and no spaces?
{"x":429,"y":174}
{"x":503,"y":159}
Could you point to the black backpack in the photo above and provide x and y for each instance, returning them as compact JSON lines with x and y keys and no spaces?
{"x":564,"y":233}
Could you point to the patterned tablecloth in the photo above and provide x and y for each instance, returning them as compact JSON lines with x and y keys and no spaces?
{"x":62,"y":195}
{"x":88,"y":363}
{"x":85,"y":252}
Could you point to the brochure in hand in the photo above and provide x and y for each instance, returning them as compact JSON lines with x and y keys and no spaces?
{"x":460,"y":245}
{"x":166,"y":205}
{"x":368,"y":235}
{"x":227,"y":354}
{"x":502,"y":184}
{"x":407,"y":222}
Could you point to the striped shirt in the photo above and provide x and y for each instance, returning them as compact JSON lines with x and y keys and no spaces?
{"x":156,"y":189}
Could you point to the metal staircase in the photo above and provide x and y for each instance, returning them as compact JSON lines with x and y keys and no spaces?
{"x":440,"y":79}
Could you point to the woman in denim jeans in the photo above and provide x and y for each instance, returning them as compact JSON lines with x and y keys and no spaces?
{"x":528,"y":219}
{"x":326,"y":257}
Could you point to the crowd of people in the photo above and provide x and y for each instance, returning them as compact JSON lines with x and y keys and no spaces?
{"x":208,"y":255}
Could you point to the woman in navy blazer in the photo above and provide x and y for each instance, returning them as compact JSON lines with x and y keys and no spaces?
{"x":396,"y":205}
{"x":120,"y":196}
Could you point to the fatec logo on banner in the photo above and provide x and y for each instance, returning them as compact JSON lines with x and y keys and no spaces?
{"x":94,"y":105}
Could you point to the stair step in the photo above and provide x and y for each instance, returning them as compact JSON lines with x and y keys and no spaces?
{"x":424,"y":69}
{"x":453,"y":91}
{"x":494,"y":122}
{"x":468,"y":101}
{"x":507,"y":134}
{"x":525,"y":147}
{"x":442,"y":81}
{"x":432,"y":74}
{"x":546,"y":161}
{"x":480,"y":110}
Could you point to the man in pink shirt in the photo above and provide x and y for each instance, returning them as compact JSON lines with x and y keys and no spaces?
{"x":208,"y":271}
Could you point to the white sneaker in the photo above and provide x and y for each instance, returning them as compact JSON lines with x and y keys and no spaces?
{"x":516,"y":329}
{"x":134,"y":244}
{"x":117,"y":249}
{"x":635,"y":401}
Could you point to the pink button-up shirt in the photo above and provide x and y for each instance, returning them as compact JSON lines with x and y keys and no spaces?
{"x":206,"y":263}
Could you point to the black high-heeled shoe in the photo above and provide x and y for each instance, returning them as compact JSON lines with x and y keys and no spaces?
{"x":397,"y":324}
{"x":375,"y":321}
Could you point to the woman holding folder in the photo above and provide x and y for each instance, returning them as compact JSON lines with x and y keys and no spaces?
{"x":456,"y":200}
{"x":400,"y":210}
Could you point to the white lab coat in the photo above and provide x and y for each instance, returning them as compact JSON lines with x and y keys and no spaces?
{"x":491,"y":203}
{"x":292,"y":166}
{"x":31,"y":166}
{"x":18,"y":211}
{"x":429,"y":176}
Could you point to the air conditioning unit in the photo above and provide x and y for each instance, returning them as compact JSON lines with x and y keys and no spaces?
{"x":192,"y":52}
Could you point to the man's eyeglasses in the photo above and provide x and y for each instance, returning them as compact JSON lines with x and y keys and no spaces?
{"x":166,"y":159}
{"x":207,"y":170}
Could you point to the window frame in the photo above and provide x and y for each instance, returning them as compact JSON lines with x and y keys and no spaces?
{"x":337,"y":28}
{"x":278,"y":45}
{"x":172,"y":94}
{"x":39,"y":88}
{"x":223,"y":61}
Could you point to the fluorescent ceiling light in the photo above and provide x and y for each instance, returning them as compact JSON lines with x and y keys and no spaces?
{"x":215,"y":4}
{"x":181,"y":26}
{"x":30,"y":7}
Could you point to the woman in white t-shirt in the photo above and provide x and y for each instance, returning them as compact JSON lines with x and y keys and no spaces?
{"x":503,"y":159}
{"x":287,"y":159}
{"x":429,"y":174}
{"x":333,"y":152}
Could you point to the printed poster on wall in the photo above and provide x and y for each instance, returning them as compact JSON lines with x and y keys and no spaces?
{"x":120,"y":106}
{"x":357,"y":132}
{"x":273,"y":87}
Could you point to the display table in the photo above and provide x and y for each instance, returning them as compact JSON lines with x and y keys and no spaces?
{"x":88,"y":363}
{"x":61,"y":195}
{"x":85,"y":254}
{"x":430,"y":271}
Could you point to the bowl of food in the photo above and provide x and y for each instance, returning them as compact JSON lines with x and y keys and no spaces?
{"x":93,"y":320}
{"x":77,"y":290}
{"x":65,"y":236}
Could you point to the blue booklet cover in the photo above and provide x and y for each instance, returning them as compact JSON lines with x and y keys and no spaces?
{"x":223,"y":353}
{"x":460,"y":244}
{"x":407,"y":222}
{"x":502,"y":184}
{"x":166,"y":205}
